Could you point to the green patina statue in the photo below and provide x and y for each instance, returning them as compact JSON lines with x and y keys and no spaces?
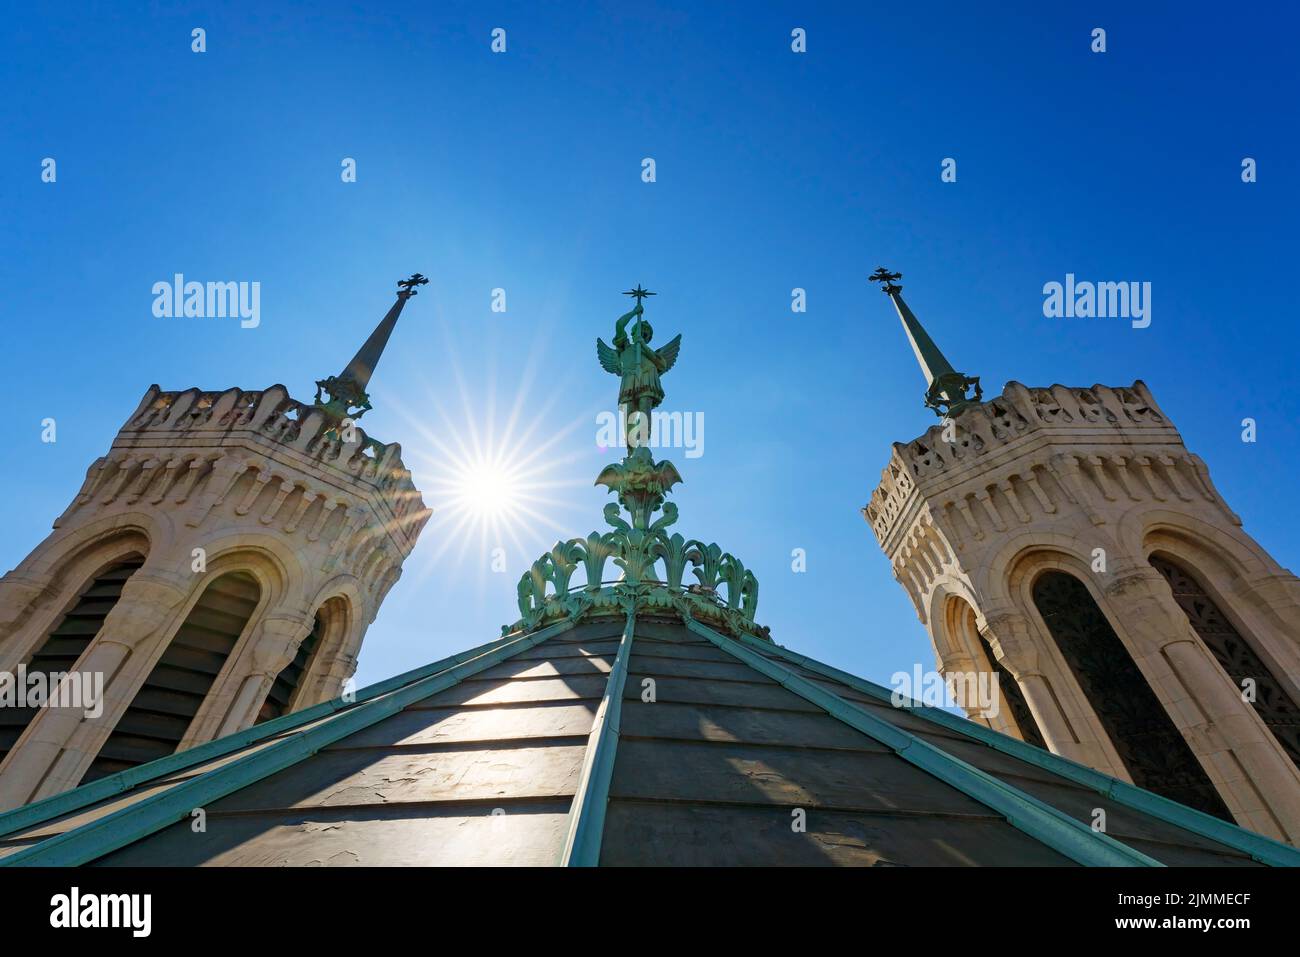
{"x":638,"y":365}
{"x":652,"y":561}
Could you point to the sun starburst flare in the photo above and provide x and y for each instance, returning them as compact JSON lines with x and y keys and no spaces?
{"x":501,"y":491}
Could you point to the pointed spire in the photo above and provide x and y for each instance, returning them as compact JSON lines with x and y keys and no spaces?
{"x":348,"y":389}
{"x":946,"y":391}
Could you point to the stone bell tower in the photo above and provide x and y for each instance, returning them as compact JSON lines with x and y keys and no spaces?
{"x":219,"y":567}
{"x":1066,"y":540}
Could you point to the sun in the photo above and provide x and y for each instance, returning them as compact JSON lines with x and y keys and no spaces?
{"x":502,"y":487}
{"x":487,"y":490}
{"x":486,"y":494}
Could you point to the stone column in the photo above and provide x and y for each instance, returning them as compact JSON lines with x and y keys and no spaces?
{"x":61,"y":742}
{"x":1264,"y":597}
{"x":275,"y":644}
{"x":332,"y":682}
{"x":955,"y":666}
{"x":1261,"y":785}
{"x":1011,"y":637}
{"x":18,"y":600}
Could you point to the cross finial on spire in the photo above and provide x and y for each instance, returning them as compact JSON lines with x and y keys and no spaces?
{"x":639,"y":293}
{"x":406,"y":288}
{"x":886,"y":279}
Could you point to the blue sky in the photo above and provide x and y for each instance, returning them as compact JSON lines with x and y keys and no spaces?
{"x":774,"y":170}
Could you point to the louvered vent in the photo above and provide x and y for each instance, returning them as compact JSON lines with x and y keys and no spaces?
{"x":163,"y":708}
{"x":66,"y":643}
{"x":286,"y":682}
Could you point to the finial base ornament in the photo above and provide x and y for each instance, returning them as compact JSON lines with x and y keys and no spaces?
{"x":939,"y":396}
{"x":886,"y":280}
{"x":345,"y":400}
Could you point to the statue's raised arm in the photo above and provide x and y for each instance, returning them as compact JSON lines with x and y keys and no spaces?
{"x":620,"y":327}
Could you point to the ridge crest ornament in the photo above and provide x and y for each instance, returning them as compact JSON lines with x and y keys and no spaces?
{"x":652,"y":562}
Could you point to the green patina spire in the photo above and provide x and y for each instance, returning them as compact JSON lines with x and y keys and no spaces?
{"x":946,"y":388}
{"x":347,"y":390}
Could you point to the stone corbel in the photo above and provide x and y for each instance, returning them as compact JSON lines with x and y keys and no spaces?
{"x":1172,"y":477}
{"x":1149,"y":473}
{"x":146,"y":404}
{"x":193,"y":472}
{"x":116,"y":483}
{"x":268,"y":404}
{"x":982,"y":496}
{"x":1102,"y":479}
{"x":1149,"y":400}
{"x":1068,"y":472}
{"x":223,"y":406}
{"x":1021,"y":399}
{"x":1009,"y":493}
{"x":225,"y":472}
{"x":263,"y":479}
{"x":282,"y":493}
{"x":148,"y":469}
{"x":1125,"y":479}
{"x":1031,"y":479}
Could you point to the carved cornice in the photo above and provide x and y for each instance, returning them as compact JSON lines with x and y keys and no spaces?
{"x":1118,"y":445}
{"x":271,"y":419}
{"x":190,"y":449}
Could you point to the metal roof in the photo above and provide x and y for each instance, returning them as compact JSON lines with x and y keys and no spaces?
{"x":548,"y":748}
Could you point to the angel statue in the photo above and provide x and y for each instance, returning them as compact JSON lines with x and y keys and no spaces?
{"x":639,"y":365}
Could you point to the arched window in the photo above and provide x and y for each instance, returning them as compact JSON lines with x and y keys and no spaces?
{"x":1153,"y":750}
{"x":166,"y":703}
{"x":69,"y":640}
{"x":1235,"y":655}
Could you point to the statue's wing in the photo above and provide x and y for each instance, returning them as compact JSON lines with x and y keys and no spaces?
{"x":608,"y":477}
{"x":609,"y":357}
{"x":668,"y":475}
{"x":668,"y":354}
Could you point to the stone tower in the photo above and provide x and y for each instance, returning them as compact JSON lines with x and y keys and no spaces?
{"x":1066,"y":540}
{"x":219,"y":567}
